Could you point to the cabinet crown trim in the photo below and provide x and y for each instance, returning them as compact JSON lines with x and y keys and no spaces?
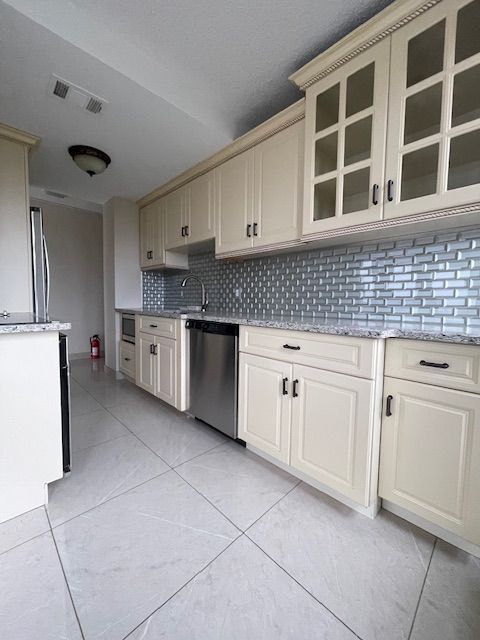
{"x":10,"y":133}
{"x":267,"y":129}
{"x":362,"y":38}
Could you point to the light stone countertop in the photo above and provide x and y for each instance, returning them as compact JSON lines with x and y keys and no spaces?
{"x":411,"y":330}
{"x":33,"y":327}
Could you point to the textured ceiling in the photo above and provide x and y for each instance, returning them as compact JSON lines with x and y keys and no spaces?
{"x":182,"y":77}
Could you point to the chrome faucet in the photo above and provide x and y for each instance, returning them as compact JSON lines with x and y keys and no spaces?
{"x":204,"y":293}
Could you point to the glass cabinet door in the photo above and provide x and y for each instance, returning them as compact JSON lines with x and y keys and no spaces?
{"x":345,"y":134}
{"x":433,"y":147}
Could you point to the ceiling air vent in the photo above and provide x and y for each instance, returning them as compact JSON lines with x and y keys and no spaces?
{"x":60,"y":89}
{"x":94,"y":105}
{"x":76,"y":95}
{"x":55,"y":194}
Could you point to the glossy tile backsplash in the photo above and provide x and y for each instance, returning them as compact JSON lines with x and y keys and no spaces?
{"x":430,"y":278}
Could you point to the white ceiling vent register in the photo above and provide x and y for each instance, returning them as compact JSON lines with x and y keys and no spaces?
{"x":74,"y":94}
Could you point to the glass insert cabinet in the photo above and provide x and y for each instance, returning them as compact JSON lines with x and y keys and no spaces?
{"x":396,"y":131}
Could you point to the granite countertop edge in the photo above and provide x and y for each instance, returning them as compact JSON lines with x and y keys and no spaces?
{"x":55,"y":325}
{"x":454,"y":334}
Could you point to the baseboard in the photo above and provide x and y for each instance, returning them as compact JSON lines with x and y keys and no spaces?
{"x":434,"y":529}
{"x":79,"y":356}
{"x":370,"y":511}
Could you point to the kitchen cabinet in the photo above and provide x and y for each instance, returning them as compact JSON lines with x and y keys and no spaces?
{"x":345,"y":126}
{"x":278,"y":186}
{"x":151,"y":236}
{"x":174,"y":211}
{"x":199,"y":219}
{"x":331,"y":429}
{"x":264,"y":411}
{"x":318,"y":422}
{"x":433,"y":150}
{"x":234,"y":203}
{"x":144,"y":366}
{"x":127,"y":358}
{"x":430,"y":454}
{"x":160,"y":358}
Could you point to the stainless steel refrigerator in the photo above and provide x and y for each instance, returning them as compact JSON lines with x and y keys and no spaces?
{"x":40,"y":264}
{"x":41,"y":299}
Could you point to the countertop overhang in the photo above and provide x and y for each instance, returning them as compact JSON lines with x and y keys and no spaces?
{"x":384,"y":328}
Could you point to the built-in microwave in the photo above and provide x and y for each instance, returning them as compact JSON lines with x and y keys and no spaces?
{"x":128,"y":327}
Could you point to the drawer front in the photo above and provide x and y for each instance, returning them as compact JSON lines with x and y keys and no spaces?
{"x":127,"y":359}
{"x":163,"y":327}
{"x":455,"y":366}
{"x":341,"y":354}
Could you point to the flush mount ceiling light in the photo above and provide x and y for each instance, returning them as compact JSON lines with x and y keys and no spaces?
{"x":89,"y":159}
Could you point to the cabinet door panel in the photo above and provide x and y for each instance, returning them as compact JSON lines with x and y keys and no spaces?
{"x":345,"y":126}
{"x":174,"y":206}
{"x":201,"y":206}
{"x":146,"y":236}
{"x":433,"y":146}
{"x":430,"y":455}
{"x":234,"y":203}
{"x":332,"y":430}
{"x":144,"y":365}
{"x":264,"y":411}
{"x":279,"y":186}
{"x":165,"y":369}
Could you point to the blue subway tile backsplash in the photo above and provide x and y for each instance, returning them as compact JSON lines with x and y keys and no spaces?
{"x":428,"y":278}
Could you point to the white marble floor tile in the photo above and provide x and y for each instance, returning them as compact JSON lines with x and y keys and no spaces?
{"x":168,"y":432}
{"x":242,"y":595}
{"x":82,"y":402}
{"x":369,"y":573}
{"x":99,"y":473}
{"x":238,"y":482}
{"x":22,"y":528}
{"x":450,"y":603}
{"x":35,"y":603}
{"x":128,"y":556}
{"x":111,"y":393}
{"x":96,"y":427}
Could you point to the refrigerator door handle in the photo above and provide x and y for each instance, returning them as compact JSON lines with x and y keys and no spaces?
{"x":47,"y":278}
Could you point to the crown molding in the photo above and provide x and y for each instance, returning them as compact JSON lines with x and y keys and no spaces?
{"x":10,"y":133}
{"x":362,"y":38}
{"x":267,"y":129}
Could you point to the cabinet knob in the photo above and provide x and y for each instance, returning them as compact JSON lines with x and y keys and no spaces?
{"x":436,"y":365}
{"x":249,"y":230}
{"x":294,"y":389}
{"x":289,"y":346}
{"x":375,"y":194}
{"x":388,"y":411}
{"x":284,"y":386}
{"x":255,"y":226}
{"x":390,"y":190}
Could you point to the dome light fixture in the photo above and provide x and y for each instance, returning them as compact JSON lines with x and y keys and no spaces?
{"x":89,"y":159}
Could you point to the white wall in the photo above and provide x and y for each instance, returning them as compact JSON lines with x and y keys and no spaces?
{"x":122,"y":275}
{"x":15,"y":253}
{"x":75,"y":246}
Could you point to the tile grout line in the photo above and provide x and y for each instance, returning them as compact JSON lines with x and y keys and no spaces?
{"x":421,"y":590}
{"x":65,"y":576}
{"x":302,"y":586}
{"x":182,"y":587}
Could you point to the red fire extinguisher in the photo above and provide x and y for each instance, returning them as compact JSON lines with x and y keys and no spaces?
{"x":94,"y":347}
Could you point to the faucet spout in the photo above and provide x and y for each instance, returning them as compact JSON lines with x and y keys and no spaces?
{"x":204,"y":293}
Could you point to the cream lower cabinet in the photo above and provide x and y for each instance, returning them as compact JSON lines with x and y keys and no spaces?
{"x":430,"y":454}
{"x":321,"y":423}
{"x":265,"y":405}
{"x":160,"y":359}
{"x":331,"y":434}
{"x":127,"y":358}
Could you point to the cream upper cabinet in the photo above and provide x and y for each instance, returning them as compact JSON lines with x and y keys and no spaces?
{"x":234,"y":203}
{"x":199,"y":213}
{"x":278,"y":184}
{"x":345,"y":132}
{"x":331,"y":430}
{"x":175,"y":204}
{"x":152,"y":252}
{"x":433,"y":148}
{"x":430,"y":454}
{"x":264,"y":408}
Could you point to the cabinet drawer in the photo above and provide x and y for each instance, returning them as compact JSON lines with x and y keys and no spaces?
{"x":455,"y":366}
{"x":164,"y":327}
{"x":127,"y":359}
{"x":342,"y":354}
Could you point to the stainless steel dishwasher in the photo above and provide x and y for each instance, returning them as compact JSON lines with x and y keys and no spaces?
{"x":213,"y":374}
